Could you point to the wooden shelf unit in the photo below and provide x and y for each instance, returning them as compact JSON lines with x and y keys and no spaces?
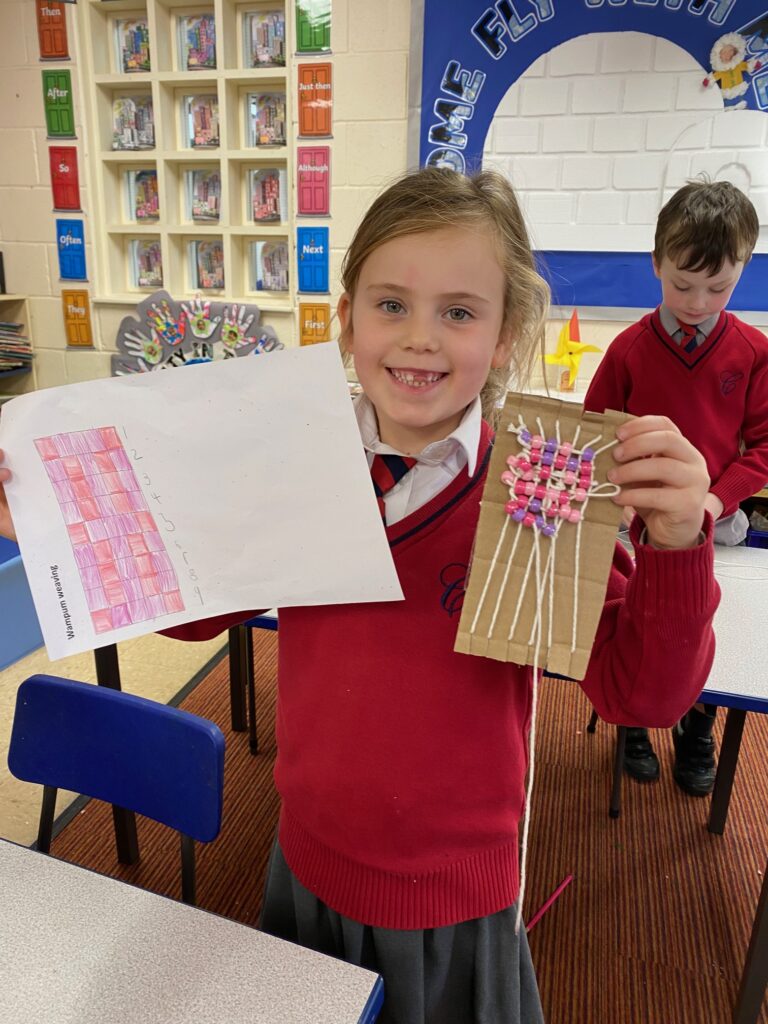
{"x":112,"y":228}
{"x":15,"y":308}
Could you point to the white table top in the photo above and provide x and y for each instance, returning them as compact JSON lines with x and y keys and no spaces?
{"x":80,"y":948}
{"x":740,"y":668}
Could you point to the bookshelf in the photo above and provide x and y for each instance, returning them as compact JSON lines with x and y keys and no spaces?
{"x":170,"y":84}
{"x":15,"y":308}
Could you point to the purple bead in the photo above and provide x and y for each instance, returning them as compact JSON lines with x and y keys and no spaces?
{"x":588,"y":454}
{"x":525,"y":436}
{"x":534,"y":505}
{"x":547,"y":459}
{"x":548,"y":530}
{"x":541,"y":522}
{"x":519,"y":515}
{"x":572,"y":463}
{"x":551,"y":445}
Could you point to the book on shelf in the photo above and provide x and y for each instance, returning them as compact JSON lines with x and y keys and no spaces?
{"x":133,"y":124}
{"x":15,"y":347}
{"x":132,"y":45}
{"x":146,"y":263}
{"x":200,"y":116}
{"x":265,"y":119}
{"x":270,"y":266}
{"x":206,"y":260}
{"x":264,"y":39}
{"x":142,"y":196}
{"x":197,"y":42}
{"x":267,"y":189}
{"x":203,"y":195}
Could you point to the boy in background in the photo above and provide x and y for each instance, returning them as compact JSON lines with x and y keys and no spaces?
{"x":707,"y":371}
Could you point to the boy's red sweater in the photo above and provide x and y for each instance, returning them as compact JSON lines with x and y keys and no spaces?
{"x":401,"y":765}
{"x":717,"y":395}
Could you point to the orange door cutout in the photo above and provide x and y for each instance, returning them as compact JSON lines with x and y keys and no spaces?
{"x":314,"y":322}
{"x":77,"y":318}
{"x":315,"y":100}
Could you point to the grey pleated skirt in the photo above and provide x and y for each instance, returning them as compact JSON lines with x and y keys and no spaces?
{"x":476,"y":972}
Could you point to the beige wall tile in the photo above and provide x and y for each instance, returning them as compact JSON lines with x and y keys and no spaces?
{"x":25,"y":215}
{"x":379,"y":25}
{"x":19,"y":165}
{"x":47,"y":322}
{"x":370,"y":87}
{"x":375,"y":152}
{"x":86,"y":365}
{"x":50,"y":368}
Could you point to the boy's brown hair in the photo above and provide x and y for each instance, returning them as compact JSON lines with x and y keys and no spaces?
{"x":704,"y":224}
{"x":433,"y":198}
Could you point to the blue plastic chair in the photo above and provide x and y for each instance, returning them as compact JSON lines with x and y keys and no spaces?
{"x":159,"y":761}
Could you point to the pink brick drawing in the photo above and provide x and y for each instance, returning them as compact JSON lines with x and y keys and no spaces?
{"x":124,"y":567}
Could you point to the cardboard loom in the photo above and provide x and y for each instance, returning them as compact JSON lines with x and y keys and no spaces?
{"x":492,"y":599}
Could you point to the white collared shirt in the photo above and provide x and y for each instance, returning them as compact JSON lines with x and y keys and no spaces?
{"x":438,"y":464}
{"x":671,"y":325}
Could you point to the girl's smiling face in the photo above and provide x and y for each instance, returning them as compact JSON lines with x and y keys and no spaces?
{"x":425,"y":326}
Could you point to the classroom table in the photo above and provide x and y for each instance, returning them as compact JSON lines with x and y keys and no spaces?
{"x":82,"y":948}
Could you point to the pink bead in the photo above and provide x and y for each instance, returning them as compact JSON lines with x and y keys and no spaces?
{"x":551,"y":494}
{"x":519,"y":487}
{"x":569,"y":477}
{"x":551,"y":511}
{"x":574,"y":515}
{"x":513,"y":461}
{"x":508,"y":478}
{"x":563,"y":498}
{"x":510,"y":507}
{"x":540,"y":491}
{"x":565,"y":448}
{"x":535,"y":457}
{"x":544,"y":473}
{"x":560,"y":461}
{"x":537,"y":441}
{"x":564,"y":511}
{"x":579,"y":494}
{"x":529,"y":519}
{"x":530,"y":488}
{"x":522,"y":503}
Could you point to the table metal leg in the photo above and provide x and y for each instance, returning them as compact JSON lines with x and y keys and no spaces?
{"x":726,"y":770}
{"x":238,"y":653}
{"x":618,"y":770}
{"x":754,"y":977}
{"x":126,"y":839}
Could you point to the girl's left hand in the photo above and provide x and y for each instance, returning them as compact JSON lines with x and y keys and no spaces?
{"x":664,"y":477}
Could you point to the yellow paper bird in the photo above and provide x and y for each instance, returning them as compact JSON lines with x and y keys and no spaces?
{"x":570,"y":349}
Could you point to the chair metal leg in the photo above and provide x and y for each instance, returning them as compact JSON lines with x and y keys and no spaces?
{"x":253,"y":739}
{"x":237,"y":677}
{"x":593,"y":720}
{"x":47,"y":812}
{"x":726,"y":770}
{"x":188,"y":894}
{"x":126,"y":839}
{"x":614,"y":809}
{"x":754,"y":977}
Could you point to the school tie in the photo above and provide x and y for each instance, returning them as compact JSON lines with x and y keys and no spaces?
{"x":386,"y":471}
{"x":688,"y":339}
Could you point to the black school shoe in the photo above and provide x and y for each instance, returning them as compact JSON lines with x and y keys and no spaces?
{"x":640,"y":762}
{"x":694,"y":768}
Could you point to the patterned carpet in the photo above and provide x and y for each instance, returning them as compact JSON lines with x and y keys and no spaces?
{"x":652,"y":930}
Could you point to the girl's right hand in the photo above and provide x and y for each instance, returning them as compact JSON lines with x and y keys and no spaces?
{"x":6,"y":523}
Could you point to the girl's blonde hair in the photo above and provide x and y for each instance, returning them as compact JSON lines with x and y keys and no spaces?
{"x":433,"y":198}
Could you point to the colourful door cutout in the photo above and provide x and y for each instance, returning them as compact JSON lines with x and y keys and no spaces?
{"x":314,"y":322}
{"x":77,"y":318}
{"x":313,"y":179}
{"x":315,"y":100}
{"x":52,"y":30}
{"x":59,"y":112}
{"x":65,"y":183}
{"x":313,"y":26}
{"x":70,"y":240}
{"x":312,"y":254}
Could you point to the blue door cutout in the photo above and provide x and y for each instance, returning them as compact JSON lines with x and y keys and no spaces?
{"x":70,"y":239}
{"x":312,"y":256}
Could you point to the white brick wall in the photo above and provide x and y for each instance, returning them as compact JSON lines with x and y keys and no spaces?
{"x":607,"y":127}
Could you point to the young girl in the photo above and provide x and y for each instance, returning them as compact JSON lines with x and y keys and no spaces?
{"x":401,"y":764}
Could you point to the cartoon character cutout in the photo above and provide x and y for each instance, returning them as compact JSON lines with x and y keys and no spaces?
{"x":730,"y":69}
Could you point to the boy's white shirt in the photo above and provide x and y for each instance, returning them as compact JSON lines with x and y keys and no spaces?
{"x":438,"y":464}
{"x":670,"y":324}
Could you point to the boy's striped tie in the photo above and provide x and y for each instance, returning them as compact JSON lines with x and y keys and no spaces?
{"x":386,"y":471}
{"x":688,"y":340}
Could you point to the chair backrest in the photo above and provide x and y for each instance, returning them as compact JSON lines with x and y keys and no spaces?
{"x":156,"y":760}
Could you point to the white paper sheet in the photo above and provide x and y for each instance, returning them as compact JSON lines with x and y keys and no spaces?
{"x":220,"y":487}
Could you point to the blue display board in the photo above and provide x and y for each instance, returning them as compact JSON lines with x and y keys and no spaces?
{"x":70,"y":240}
{"x":312,"y":256}
{"x":474,"y":51}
